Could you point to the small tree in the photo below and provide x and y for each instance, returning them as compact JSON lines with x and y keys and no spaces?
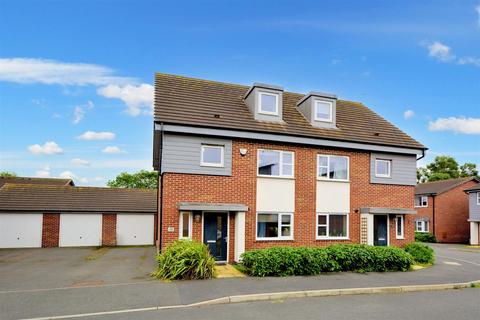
{"x":444,"y":167}
{"x":468,"y":170}
{"x":5,"y":174}
{"x":141,"y":180}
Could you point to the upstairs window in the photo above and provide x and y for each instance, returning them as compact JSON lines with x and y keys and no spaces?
{"x":268,"y":103}
{"x":421,"y":201}
{"x":332,"y":167}
{"x":212,"y":156}
{"x":478,"y":198}
{"x":323,"y":111}
{"x":275,"y":163}
{"x":383,"y":168}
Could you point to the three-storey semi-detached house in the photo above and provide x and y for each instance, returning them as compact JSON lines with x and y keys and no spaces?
{"x":252,"y":167}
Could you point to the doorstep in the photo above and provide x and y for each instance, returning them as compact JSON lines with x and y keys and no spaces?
{"x":228,"y":271}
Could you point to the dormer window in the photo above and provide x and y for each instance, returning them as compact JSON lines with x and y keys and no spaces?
{"x":268,"y":103}
{"x":323,"y":111}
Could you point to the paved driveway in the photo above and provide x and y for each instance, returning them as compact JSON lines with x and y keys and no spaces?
{"x":47,"y":268}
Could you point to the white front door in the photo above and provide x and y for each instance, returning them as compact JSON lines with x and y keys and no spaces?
{"x":19,"y":230}
{"x":77,"y":230}
{"x":135,"y":229}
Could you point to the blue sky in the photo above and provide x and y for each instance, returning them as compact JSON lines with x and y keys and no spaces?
{"x":76,"y":76}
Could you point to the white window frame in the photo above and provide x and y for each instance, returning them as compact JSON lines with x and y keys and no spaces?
{"x":327,"y":237}
{"x":279,"y":224}
{"x":389,"y":162}
{"x":424,"y":224}
{"x":260,"y":93}
{"x":209,"y":164}
{"x":281,"y":175}
{"x":180,"y":225}
{"x":421,"y":202}
{"x":401,"y":235}
{"x":478,"y":198}
{"x":328,"y":168}
{"x":315,"y":111}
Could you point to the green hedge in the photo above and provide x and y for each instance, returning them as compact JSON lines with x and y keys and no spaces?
{"x":421,"y":252}
{"x":425,"y":237}
{"x":287,"y":261}
{"x":185,"y":259}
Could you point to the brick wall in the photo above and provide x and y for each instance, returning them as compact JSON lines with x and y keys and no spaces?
{"x":451,"y":215}
{"x":50,"y":230}
{"x":241,"y":188}
{"x":109,"y":229}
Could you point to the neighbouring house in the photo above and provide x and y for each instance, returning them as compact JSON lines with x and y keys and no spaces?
{"x":474,"y":213}
{"x":52,"y":215}
{"x":252,"y":167}
{"x":442,"y":209}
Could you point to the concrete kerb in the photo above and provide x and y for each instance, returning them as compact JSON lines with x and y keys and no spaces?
{"x":284,"y":295}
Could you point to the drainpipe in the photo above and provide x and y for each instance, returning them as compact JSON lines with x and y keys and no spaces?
{"x":160,"y":192}
{"x":433,"y":215}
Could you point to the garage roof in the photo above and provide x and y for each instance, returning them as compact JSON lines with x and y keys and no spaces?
{"x":30,"y":197}
{"x":30,"y":180}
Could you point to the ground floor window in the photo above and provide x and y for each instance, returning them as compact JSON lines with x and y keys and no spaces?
{"x":271,"y":226}
{"x":399,"y":226}
{"x":421,"y":226}
{"x":332,"y":225}
{"x":185,"y":225}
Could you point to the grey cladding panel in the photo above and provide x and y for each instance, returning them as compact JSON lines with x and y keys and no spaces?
{"x":404,"y":169}
{"x":181,"y":154}
{"x":474,"y":207}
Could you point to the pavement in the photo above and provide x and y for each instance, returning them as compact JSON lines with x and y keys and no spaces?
{"x":22,"y":299}
{"x":439,"y":305}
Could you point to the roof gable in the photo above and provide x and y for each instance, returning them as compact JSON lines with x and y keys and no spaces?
{"x":204,"y":103}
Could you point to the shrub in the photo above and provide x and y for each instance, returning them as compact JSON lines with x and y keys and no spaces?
{"x":425,"y":237}
{"x":185,"y":259}
{"x":286,"y":261}
{"x":421,"y":252}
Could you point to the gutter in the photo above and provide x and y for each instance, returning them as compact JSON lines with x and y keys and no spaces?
{"x":160,"y":190}
{"x":422,"y":156}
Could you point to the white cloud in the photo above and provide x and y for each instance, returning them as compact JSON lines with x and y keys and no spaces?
{"x":80,"y":162}
{"x":440,"y":51}
{"x":31,"y":70}
{"x":49,"y":147}
{"x":444,"y":53}
{"x":138,"y":98}
{"x":469,"y":60}
{"x":79,"y":111}
{"x":408,"y":114}
{"x":92,"y":135}
{"x":457,"y":125}
{"x":112,"y":149}
{"x":67,"y":175}
{"x":43,"y":173}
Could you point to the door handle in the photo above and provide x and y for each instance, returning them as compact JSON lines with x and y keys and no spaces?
{"x":211,"y":241}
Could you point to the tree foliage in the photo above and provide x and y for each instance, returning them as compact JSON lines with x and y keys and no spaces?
{"x":5,"y":174}
{"x":142,"y":179}
{"x":445,"y":167}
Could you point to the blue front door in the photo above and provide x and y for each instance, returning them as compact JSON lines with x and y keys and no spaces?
{"x":380,"y":230}
{"x":215,"y":234}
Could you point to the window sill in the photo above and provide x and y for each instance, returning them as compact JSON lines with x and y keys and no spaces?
{"x":383,"y":177}
{"x":274,"y":239}
{"x":400,"y":238}
{"x":276,"y":177}
{"x":212,"y":165}
{"x":333,"y":180}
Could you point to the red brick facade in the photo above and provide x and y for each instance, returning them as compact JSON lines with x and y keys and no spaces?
{"x":240,"y":188}
{"x":451,"y":214}
{"x":50,"y":230}
{"x":109,"y":229}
